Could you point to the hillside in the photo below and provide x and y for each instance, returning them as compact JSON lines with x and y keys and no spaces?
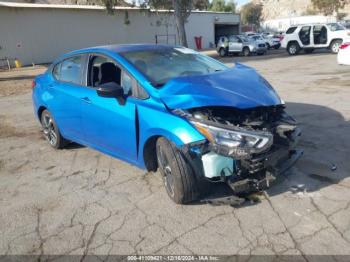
{"x":286,"y":8}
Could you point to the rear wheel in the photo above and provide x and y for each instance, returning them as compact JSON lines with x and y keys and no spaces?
{"x":51,"y":132}
{"x":335,"y":45}
{"x":246,"y":51}
{"x":177,"y":174}
{"x":293,"y":48}
{"x":222,"y":52}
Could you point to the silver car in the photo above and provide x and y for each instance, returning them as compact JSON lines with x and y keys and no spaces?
{"x":240,"y":45}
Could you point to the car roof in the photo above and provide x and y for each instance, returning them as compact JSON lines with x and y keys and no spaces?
{"x":123,"y":48}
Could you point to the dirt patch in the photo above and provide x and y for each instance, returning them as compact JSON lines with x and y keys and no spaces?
{"x":18,"y":81}
{"x":333,"y":81}
{"x":15,"y":87}
{"x":7,"y":129}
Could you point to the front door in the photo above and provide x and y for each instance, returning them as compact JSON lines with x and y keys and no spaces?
{"x":305,"y":36}
{"x":320,"y":36}
{"x":108,"y":125}
{"x":235,"y":44}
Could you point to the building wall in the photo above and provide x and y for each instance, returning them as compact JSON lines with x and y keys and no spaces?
{"x":39,"y":35}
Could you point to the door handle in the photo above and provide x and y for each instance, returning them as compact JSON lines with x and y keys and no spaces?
{"x":86,"y":100}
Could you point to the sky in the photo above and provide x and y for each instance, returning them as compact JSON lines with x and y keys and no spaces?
{"x":241,"y":2}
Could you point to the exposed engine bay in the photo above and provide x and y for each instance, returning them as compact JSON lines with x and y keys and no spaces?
{"x":245,"y":148}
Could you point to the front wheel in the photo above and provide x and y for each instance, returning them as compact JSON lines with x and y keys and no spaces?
{"x":246,"y":51}
{"x":178,"y":177}
{"x":293,"y":48}
{"x":51,"y":132}
{"x":335,"y":46}
{"x":222,"y":52}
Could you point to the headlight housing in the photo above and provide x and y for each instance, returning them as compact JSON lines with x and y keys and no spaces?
{"x":238,"y":143}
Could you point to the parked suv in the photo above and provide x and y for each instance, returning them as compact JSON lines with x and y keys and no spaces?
{"x":311,"y":36}
{"x":239,"y":44}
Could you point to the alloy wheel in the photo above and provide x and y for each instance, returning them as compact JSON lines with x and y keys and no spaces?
{"x":49,"y":129}
{"x":168,"y":177}
{"x":293,"y":49}
{"x":335,"y":47}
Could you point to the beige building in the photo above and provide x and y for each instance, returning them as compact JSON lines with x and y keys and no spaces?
{"x":38,"y":33}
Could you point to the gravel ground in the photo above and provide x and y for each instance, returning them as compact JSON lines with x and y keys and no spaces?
{"x":79,"y":201}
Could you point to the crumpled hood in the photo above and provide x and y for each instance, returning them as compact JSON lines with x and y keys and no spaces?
{"x":240,"y":87}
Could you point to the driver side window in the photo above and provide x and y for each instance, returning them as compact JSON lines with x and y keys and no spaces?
{"x":103,"y":69}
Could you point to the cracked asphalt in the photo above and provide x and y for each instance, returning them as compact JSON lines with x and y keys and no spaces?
{"x":79,"y":201}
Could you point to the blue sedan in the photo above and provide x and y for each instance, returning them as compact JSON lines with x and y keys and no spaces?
{"x":169,"y":107}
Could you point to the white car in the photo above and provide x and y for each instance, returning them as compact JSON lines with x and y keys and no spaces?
{"x":313,"y":36}
{"x":270,"y":41}
{"x":344,"y":54}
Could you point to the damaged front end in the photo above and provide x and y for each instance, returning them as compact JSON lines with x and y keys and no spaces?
{"x":245,"y":148}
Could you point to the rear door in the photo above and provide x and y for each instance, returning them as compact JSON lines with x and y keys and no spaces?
{"x":108,"y":125}
{"x":64,"y":95}
{"x":320,"y":36}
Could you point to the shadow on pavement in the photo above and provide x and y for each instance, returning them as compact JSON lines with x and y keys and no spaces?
{"x":271,"y":54}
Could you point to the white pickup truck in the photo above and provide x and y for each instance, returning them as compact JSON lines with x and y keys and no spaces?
{"x":309,"y":37}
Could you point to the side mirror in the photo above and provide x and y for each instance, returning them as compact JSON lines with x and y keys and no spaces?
{"x":112,"y":90}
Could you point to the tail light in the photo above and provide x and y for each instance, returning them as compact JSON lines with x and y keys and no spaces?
{"x":33,"y":84}
{"x":343,"y":46}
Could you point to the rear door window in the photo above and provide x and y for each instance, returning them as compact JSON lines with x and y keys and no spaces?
{"x":69,"y":70}
{"x":291,"y":30}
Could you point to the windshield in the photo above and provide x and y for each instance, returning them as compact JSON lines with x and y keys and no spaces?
{"x":161,"y":65}
{"x":243,"y":38}
{"x":336,"y":27}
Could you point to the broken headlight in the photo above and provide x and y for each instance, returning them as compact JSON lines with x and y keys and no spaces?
{"x":238,"y":143}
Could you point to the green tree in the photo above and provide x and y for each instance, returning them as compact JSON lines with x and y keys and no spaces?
{"x":201,"y":4}
{"x":223,"y":6}
{"x":251,"y":14}
{"x":329,"y":7}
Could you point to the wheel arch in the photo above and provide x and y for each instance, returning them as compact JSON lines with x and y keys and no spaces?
{"x":333,"y":40}
{"x":40,"y":111}
{"x":293,"y":42}
{"x":148,"y":148}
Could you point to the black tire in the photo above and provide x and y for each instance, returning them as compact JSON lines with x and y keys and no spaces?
{"x":268,"y":46}
{"x":246,"y":51}
{"x":293,"y":48}
{"x":277,"y":46}
{"x":222,"y":52}
{"x":335,"y":46}
{"x":178,"y":177}
{"x":309,"y":50}
{"x":51,"y":131}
